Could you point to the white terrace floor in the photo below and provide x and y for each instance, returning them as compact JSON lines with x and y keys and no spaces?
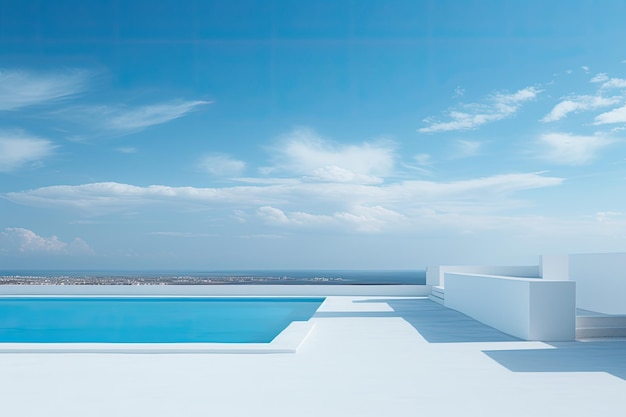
{"x":367,"y":356}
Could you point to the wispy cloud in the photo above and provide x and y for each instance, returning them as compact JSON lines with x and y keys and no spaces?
{"x":221,"y":165}
{"x":101,"y":198}
{"x":614,"y":83}
{"x":20,"y":88}
{"x":599,"y":78}
{"x":473,"y":189}
{"x":421,"y":162}
{"x":471,"y":116}
{"x":333,"y":173}
{"x":127,"y":119}
{"x":359,"y":218}
{"x":94,"y":195}
{"x":579,"y":103}
{"x":568,"y":149}
{"x":278,"y":217}
{"x":145,"y":116}
{"x":303,"y":152}
{"x":617,"y":115}
{"x":333,"y":202}
{"x":18,"y":149}
{"x":19,"y":240}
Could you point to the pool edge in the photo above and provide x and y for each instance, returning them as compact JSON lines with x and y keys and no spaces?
{"x":287,"y":341}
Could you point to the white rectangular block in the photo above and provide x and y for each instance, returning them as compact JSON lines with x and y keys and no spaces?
{"x":600,"y":280}
{"x":435,"y":275}
{"x":554,"y":267}
{"x":527,"y":308}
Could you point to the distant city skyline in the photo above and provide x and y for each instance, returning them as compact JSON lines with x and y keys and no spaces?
{"x":309,"y":135}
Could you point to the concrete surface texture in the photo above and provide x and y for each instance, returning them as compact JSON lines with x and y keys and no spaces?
{"x":366,"y":356}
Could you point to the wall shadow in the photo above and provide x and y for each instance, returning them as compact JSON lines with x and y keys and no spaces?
{"x":436,"y":323}
{"x":601,"y":356}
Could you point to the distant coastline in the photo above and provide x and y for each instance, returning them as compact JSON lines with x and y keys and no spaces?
{"x":415,"y":277}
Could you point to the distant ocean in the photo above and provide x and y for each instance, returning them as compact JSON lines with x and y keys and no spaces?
{"x":262,"y":277}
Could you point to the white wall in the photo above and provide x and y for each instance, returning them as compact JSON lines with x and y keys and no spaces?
{"x":601,"y":281}
{"x":554,"y":267}
{"x":219,"y":290}
{"x":435,"y":276}
{"x":527,"y":308}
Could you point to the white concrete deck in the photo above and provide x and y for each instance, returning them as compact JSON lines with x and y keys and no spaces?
{"x":366,"y":356}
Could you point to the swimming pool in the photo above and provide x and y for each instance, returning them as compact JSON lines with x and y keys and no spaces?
{"x":150,"y":320}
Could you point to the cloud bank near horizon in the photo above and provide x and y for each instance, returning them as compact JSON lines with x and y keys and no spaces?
{"x":17,"y":240}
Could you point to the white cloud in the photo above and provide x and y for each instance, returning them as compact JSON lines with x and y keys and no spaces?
{"x":568,"y":149}
{"x":278,"y":217}
{"x":101,"y":198}
{"x":273,"y":215}
{"x":220,"y":165}
{"x":125,"y":119}
{"x":608,"y":82}
{"x":18,"y":149}
{"x":496,"y":107}
{"x":359,"y":218}
{"x":303,"y":152}
{"x":578,"y":103}
{"x":19,"y":88}
{"x":15,"y":239}
{"x":585,"y":68}
{"x":401,"y":197}
{"x":472,"y":189}
{"x":334,"y":173}
{"x":240,"y":216}
{"x":79,"y":247}
{"x":617,"y":115}
{"x":614,"y":83}
{"x":599,"y":78}
{"x":150,"y":115}
{"x":371,"y":219}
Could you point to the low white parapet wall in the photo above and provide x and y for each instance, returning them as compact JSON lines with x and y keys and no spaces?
{"x":531,"y":309}
{"x":601,"y":281}
{"x":220,"y":290}
{"x":435,"y":275}
{"x":554,"y":267}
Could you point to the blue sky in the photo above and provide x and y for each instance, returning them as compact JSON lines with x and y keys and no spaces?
{"x":326,"y":134}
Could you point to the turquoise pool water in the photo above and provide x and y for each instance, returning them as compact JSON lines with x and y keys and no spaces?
{"x":149,"y":319}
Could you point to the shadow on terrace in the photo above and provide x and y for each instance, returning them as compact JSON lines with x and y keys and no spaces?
{"x":439,"y":324}
{"x":590,"y":356}
{"x":436,"y":323}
